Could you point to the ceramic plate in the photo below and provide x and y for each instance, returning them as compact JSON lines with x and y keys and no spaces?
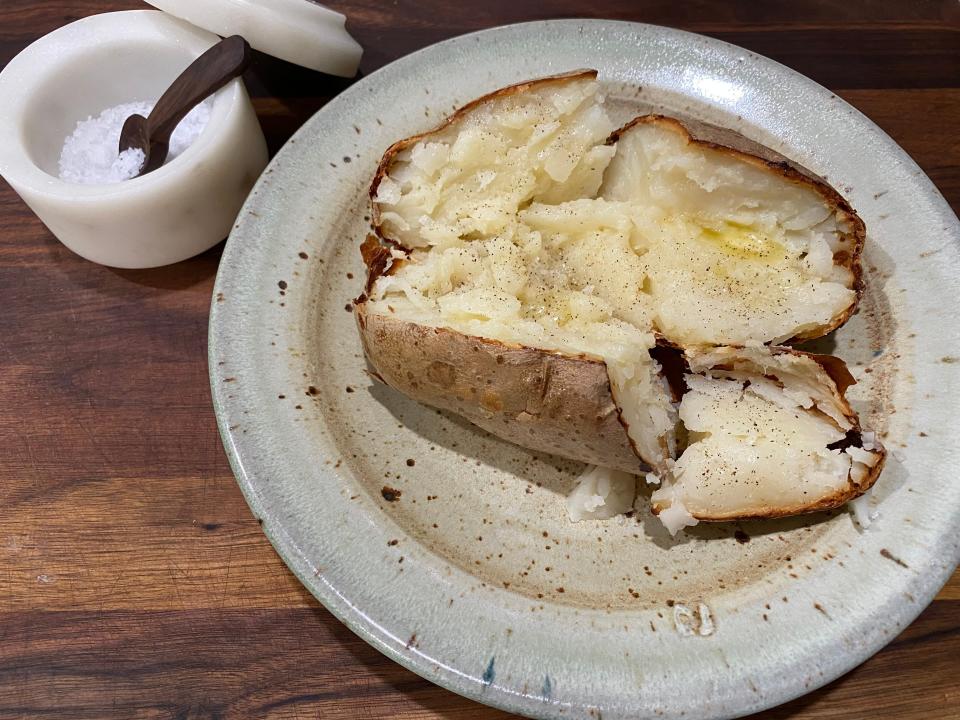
{"x":450,"y":550}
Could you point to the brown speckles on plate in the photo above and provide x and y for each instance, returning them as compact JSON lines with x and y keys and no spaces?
{"x":892,"y":558}
{"x":302,"y":255}
{"x":390,"y":494}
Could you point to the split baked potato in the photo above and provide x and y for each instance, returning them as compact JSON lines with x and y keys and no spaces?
{"x":582,"y":289}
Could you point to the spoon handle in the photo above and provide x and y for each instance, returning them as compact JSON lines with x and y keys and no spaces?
{"x":205,"y":75}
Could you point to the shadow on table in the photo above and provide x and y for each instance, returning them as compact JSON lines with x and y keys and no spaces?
{"x":447,"y":704}
{"x":443,"y":703}
{"x":178,"y":276}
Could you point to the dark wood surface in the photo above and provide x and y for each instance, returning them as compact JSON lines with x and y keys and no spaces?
{"x":134,"y":582}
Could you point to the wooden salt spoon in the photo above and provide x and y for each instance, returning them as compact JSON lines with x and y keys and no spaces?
{"x":205,"y":75}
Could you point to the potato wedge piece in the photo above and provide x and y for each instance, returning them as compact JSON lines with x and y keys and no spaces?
{"x":738,"y":249}
{"x":770,"y":434}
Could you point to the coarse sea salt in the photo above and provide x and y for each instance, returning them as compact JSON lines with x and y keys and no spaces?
{"x":89,"y":155}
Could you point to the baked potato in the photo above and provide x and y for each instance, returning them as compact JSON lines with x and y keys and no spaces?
{"x":538,"y":271}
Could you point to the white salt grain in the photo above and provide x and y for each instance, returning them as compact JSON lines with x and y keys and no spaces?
{"x":90,"y":156}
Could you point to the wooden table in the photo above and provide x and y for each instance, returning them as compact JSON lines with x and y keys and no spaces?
{"x":134,"y":582}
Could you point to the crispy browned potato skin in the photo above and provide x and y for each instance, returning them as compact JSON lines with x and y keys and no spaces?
{"x":734,"y":144}
{"x":837,"y":378}
{"x":544,"y":401}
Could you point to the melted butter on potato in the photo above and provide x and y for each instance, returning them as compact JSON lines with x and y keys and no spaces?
{"x":743,"y":242}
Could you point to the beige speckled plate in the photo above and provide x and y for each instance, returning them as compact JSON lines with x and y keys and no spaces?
{"x":449,"y":550}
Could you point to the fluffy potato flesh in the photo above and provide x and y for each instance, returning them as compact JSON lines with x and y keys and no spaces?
{"x":735,"y":252}
{"x":539,"y":142}
{"x":768,"y":433}
{"x":517,"y":291}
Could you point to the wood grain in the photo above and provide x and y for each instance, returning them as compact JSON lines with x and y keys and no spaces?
{"x":295,"y":663}
{"x":136,"y":584}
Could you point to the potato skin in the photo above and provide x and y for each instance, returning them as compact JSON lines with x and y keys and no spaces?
{"x":541,"y":400}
